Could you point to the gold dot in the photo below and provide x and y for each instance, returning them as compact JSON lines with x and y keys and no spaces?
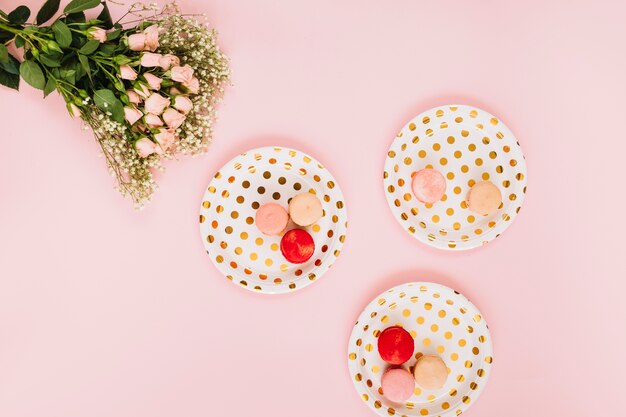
{"x":435,"y":219}
{"x":442,"y":313}
{"x":315,"y":228}
{"x":254,"y":256}
{"x":448,"y":335}
{"x":475,"y":350}
{"x":478,"y":162}
{"x":420,"y":320}
{"x":258,"y":241}
{"x":456,"y":321}
{"x":422,"y":154}
{"x":238,"y":251}
{"x":485,"y":176}
{"x":470,"y":219}
{"x":464,"y":169}
{"x":352,"y":356}
{"x":406,"y":312}
{"x":436,"y":146}
{"x":456,"y":226}
{"x":269,"y":262}
{"x":424,"y":412}
{"x":471,"y":147}
{"x":408,"y":161}
{"x":445,"y":405}
{"x":426,"y":342}
{"x":462,"y":342}
{"x":450,"y":211}
{"x":440,"y":349}
{"x":454,"y":356}
{"x":428,"y":306}
{"x":411,"y":126}
{"x":443,"y":161}
{"x":434,"y":328}
{"x":375,"y":369}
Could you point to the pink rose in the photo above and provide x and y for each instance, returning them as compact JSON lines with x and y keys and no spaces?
{"x":141,"y":89}
{"x":165,"y":138}
{"x":193,"y":86}
{"x":96,"y":33}
{"x":152,"y":120}
{"x":137,"y":42}
{"x":175,"y":91}
{"x":127,"y":73}
{"x":148,"y":59}
{"x":152,"y":37}
{"x":132,"y":114}
{"x":182,"y":74}
{"x":173,"y":118}
{"x":183,"y":104}
{"x":156,"y":103}
{"x":167,"y":61}
{"x":133,"y":97}
{"x":153,"y":81}
{"x":145,"y":147}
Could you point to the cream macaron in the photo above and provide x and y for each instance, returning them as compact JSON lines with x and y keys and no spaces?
{"x":430,"y":372}
{"x":484,"y":198}
{"x":305,"y":209}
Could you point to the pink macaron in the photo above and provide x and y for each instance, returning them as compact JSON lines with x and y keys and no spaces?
{"x":397,"y":384}
{"x":271,"y":219}
{"x":428,"y":185}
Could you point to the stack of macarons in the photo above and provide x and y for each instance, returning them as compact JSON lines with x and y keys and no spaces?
{"x":396,"y":347}
{"x":429,"y":186}
{"x":296,"y":245}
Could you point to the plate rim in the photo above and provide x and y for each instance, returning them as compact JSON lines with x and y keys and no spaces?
{"x":318,"y":270}
{"x":475,"y":242}
{"x":353,"y":364}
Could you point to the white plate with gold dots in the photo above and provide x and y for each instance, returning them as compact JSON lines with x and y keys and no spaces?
{"x":235,"y":245}
{"x":466,"y":145}
{"x":442,"y":322}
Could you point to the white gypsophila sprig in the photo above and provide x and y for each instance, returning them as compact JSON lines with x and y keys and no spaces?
{"x":131,"y":172}
{"x":196,"y":45}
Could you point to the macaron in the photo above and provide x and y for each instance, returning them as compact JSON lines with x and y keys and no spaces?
{"x":395,"y":345}
{"x":397,"y":384}
{"x":428,"y":185}
{"x":305,"y":209}
{"x":430,"y":372}
{"x":271,"y":219}
{"x":484,"y":198}
{"x":297,"y":246}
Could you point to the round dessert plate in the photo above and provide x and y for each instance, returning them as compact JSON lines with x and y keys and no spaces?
{"x":234,"y":243}
{"x":442,"y":322}
{"x":467,"y":145}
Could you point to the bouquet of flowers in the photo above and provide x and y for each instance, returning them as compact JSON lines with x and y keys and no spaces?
{"x":147,"y":86}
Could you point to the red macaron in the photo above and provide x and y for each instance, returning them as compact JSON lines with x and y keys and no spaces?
{"x":395,"y":345}
{"x":297,"y":246}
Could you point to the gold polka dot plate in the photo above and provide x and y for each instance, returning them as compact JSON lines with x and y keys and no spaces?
{"x":466,"y":145}
{"x":236,"y":246}
{"x":442,"y":322}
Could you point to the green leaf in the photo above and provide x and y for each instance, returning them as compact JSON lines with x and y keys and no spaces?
{"x":9,"y":80}
{"x":105,"y":16}
{"x":4,"y":54}
{"x":84,"y":62}
{"x":32,"y":74}
{"x":114,"y":34}
{"x":62,"y":34}
{"x":48,"y":10}
{"x":75,"y":18}
{"x":51,"y":85}
{"x":90,"y":47}
{"x":50,"y":60}
{"x":19,"y":15}
{"x":106,"y":100}
{"x":76,"y":6}
{"x":5,"y":36}
{"x":12,"y":67}
{"x":19,"y":42}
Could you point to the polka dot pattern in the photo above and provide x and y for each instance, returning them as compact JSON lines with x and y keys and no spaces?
{"x":234,"y":243}
{"x":442,"y":322}
{"x":466,"y":145}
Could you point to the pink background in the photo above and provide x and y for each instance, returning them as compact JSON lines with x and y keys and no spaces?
{"x":105,"y":311}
